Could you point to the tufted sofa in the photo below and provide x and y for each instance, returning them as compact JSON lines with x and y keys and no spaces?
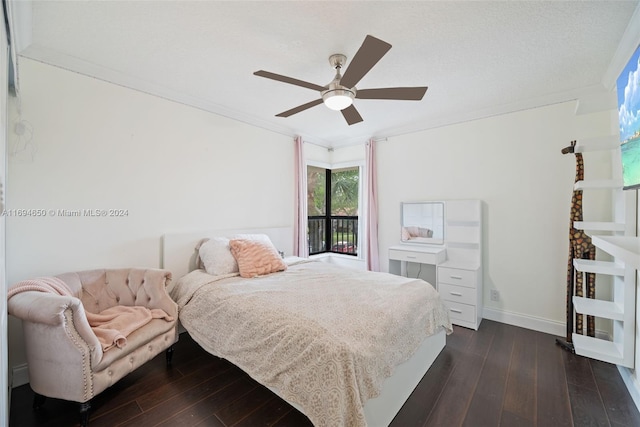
{"x":64,"y":356}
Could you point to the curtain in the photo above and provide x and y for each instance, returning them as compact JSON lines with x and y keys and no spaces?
{"x":300,"y":246}
{"x":373,"y":262}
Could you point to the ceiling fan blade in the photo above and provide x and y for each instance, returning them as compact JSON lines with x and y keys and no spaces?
{"x":351,"y":115}
{"x":289,"y":80}
{"x":371,"y":51}
{"x":399,"y":93}
{"x":300,"y":108}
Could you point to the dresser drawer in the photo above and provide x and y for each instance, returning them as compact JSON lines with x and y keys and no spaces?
{"x":415,"y":256}
{"x":464,"y":312}
{"x":456,"y":276}
{"x":459,"y":294}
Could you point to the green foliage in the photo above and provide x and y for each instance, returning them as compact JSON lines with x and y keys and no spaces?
{"x":344,"y":191}
{"x":316,"y":185}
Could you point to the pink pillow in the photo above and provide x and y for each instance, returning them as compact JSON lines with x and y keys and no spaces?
{"x":256,"y":258}
{"x":405,"y":234}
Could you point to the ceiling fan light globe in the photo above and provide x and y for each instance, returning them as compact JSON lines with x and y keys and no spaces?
{"x":338,"y":99}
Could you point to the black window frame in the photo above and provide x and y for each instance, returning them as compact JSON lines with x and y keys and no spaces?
{"x":328,"y":220}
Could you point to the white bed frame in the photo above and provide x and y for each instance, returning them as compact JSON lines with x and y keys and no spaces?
{"x":179,"y":257}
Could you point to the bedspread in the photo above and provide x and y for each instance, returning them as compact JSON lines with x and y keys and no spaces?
{"x":324,"y":336}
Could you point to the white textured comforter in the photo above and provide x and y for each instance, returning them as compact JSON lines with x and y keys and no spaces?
{"x":324,"y":336}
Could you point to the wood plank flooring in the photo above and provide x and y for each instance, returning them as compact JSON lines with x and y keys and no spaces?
{"x":500,"y":375}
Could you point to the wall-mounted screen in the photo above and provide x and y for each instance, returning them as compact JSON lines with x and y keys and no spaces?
{"x":423,"y":222}
{"x":628,"y":87}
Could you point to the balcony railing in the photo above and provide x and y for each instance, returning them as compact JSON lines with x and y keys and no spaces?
{"x":342,"y":238}
{"x":317,"y":235}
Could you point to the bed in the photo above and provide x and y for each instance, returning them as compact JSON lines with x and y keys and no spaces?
{"x":345,"y":347}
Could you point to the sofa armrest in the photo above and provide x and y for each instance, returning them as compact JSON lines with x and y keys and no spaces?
{"x":49,"y":309}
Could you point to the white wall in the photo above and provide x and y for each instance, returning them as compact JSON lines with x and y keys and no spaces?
{"x":95,"y":145}
{"x":316,"y":153}
{"x":514,"y":165}
{"x":352,"y":153}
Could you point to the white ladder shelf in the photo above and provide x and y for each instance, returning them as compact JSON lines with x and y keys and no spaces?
{"x":621,"y":310}
{"x":622,"y":244}
{"x":599,"y":267}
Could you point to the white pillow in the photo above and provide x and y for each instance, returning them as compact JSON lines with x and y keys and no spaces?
{"x":217,"y":258}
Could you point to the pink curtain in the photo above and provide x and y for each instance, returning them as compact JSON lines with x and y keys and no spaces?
{"x":373,"y":262}
{"x":300,"y":246}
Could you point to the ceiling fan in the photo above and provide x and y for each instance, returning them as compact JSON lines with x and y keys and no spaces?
{"x":340,"y":92}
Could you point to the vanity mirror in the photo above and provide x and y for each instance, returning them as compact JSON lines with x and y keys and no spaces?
{"x":422,"y":222}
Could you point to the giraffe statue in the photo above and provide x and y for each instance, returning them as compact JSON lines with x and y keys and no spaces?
{"x":580,"y":247}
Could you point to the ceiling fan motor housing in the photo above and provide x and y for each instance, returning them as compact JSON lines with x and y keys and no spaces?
{"x":337,"y":61}
{"x":338,"y":97}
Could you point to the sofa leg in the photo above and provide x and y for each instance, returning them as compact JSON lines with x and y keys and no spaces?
{"x":169,"y":355}
{"x":84,"y":413}
{"x":38,"y":401}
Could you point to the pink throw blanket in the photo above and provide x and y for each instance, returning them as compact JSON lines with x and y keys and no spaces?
{"x":111,"y":326}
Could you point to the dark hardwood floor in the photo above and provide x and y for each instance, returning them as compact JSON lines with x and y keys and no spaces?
{"x":500,"y":375}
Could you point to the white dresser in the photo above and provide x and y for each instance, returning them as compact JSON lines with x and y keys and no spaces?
{"x":460,"y":277}
{"x":461,"y":290}
{"x":454,"y":268}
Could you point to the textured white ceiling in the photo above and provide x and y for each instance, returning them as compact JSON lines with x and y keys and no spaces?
{"x":478,"y":58}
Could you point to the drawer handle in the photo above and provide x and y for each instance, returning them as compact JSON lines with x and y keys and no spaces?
{"x":411,"y":256}
{"x":455,"y":310}
{"x":458,"y":294}
{"x":456,"y":277}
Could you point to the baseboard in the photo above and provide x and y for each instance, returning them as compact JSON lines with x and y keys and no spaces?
{"x":19,"y":375}
{"x":631,"y":383}
{"x":539,"y":324}
{"x":525,"y":321}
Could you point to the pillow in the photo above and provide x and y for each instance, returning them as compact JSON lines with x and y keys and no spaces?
{"x":216,"y":257}
{"x":259,"y":238}
{"x":405,"y":234}
{"x":425,"y":232}
{"x":256,"y":258}
{"x":199,"y":264}
{"x":255,"y":237}
{"x":413,"y":231}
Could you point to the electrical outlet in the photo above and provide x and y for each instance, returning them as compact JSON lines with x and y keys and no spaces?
{"x":495,"y":295}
